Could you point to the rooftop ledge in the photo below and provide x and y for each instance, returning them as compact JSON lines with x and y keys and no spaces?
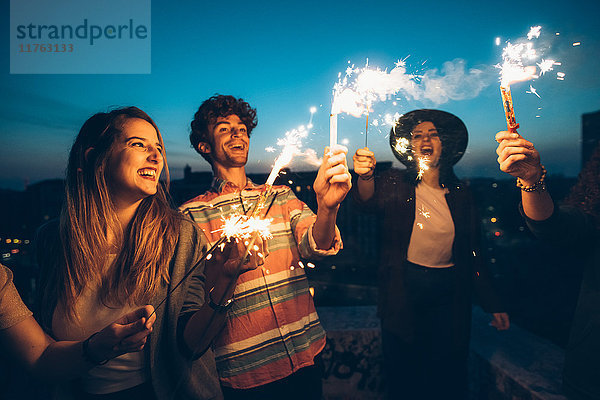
{"x":513,"y":364}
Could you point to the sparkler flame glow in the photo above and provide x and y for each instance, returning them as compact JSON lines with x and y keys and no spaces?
{"x":402,"y":145}
{"x":516,"y":67}
{"x":243,"y":227}
{"x":515,"y":58}
{"x":359,"y":88}
{"x":292,"y":145}
{"x":423,"y":166}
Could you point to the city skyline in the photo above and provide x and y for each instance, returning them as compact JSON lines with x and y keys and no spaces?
{"x":284,"y":59}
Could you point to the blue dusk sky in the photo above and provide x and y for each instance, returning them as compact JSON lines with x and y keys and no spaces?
{"x":284,"y":57}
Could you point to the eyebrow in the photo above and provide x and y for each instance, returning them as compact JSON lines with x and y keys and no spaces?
{"x":228,"y":123}
{"x":428,"y":130}
{"x":142,"y":139}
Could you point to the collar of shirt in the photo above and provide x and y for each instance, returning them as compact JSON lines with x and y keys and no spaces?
{"x":221,"y":186}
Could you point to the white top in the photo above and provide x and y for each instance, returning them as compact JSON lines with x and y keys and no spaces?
{"x":433,"y":230}
{"x":120,"y":373}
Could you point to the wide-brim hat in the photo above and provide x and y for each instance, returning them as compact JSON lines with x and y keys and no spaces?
{"x":452,"y":131}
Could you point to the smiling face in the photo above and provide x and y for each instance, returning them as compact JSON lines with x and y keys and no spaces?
{"x":135,"y":163}
{"x":230,"y":143}
{"x":426,"y":142}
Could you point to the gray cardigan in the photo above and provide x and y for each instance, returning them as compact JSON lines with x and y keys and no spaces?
{"x":174,"y":375}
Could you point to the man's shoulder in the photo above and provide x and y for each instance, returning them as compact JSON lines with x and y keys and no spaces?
{"x":199,"y":201}
{"x":282,"y":189}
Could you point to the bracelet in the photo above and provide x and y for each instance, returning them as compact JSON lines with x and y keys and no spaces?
{"x":218,"y":307}
{"x":539,"y":186}
{"x":87,"y":356}
{"x":370,"y":178}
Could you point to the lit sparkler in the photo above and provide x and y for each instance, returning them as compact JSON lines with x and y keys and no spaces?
{"x":402,"y":145}
{"x":292,"y":145}
{"x":423,"y":166}
{"x":514,"y":68}
{"x":242,"y":227}
{"x":359,"y":88}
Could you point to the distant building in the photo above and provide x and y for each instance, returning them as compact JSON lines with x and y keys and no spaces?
{"x":590,"y":135}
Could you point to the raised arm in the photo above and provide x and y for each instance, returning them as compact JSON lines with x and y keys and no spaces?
{"x":331,"y":186}
{"x":519,"y":158}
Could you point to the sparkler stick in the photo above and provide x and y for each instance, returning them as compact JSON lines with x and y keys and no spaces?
{"x":367,"y":130}
{"x":332,"y":130}
{"x":509,"y":111}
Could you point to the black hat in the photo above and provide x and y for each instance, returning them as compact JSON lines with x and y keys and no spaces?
{"x":452,"y":131}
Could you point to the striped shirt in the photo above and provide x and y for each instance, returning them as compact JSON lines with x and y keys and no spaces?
{"x":272,"y":329}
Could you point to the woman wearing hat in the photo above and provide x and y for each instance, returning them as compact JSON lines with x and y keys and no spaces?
{"x":430,"y":257}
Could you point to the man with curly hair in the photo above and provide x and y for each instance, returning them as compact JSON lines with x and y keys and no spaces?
{"x":271,"y":342}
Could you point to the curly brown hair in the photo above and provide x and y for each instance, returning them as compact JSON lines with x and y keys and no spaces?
{"x":586,"y":192}
{"x":210,"y":110}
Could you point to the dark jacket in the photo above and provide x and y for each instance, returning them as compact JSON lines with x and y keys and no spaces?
{"x":570,"y":229}
{"x":394,"y":203}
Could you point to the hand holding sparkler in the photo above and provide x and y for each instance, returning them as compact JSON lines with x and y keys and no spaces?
{"x":518,"y":157}
{"x":331,"y":186}
{"x":125,"y":335}
{"x":364,"y":163}
{"x":364,"y":166}
{"x":333,"y":180}
{"x":230,"y":260}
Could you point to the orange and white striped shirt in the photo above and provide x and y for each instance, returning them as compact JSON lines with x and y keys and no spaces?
{"x":272,"y":329}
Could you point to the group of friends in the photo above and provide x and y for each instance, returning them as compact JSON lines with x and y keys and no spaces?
{"x":131,"y":304}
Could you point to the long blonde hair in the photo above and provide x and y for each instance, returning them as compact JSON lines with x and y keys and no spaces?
{"x":143,"y":249}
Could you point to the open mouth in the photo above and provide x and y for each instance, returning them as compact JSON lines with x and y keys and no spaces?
{"x":427,"y":151}
{"x":238,"y":146}
{"x":147,"y":173}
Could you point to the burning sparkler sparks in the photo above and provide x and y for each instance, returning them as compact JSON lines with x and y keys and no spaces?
{"x":292,"y":145}
{"x":313,"y":110}
{"x":359,"y":88}
{"x":423,"y":163}
{"x":515,"y":68}
{"x":356,"y":91}
{"x":533,"y":90}
{"x":402,"y":145}
{"x":243,"y":227}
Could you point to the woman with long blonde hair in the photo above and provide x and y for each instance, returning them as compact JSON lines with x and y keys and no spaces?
{"x":120,"y":245}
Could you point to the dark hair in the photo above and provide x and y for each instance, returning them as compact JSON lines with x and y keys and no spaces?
{"x":452,"y":133}
{"x":586,"y":192}
{"x":217,"y":106}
